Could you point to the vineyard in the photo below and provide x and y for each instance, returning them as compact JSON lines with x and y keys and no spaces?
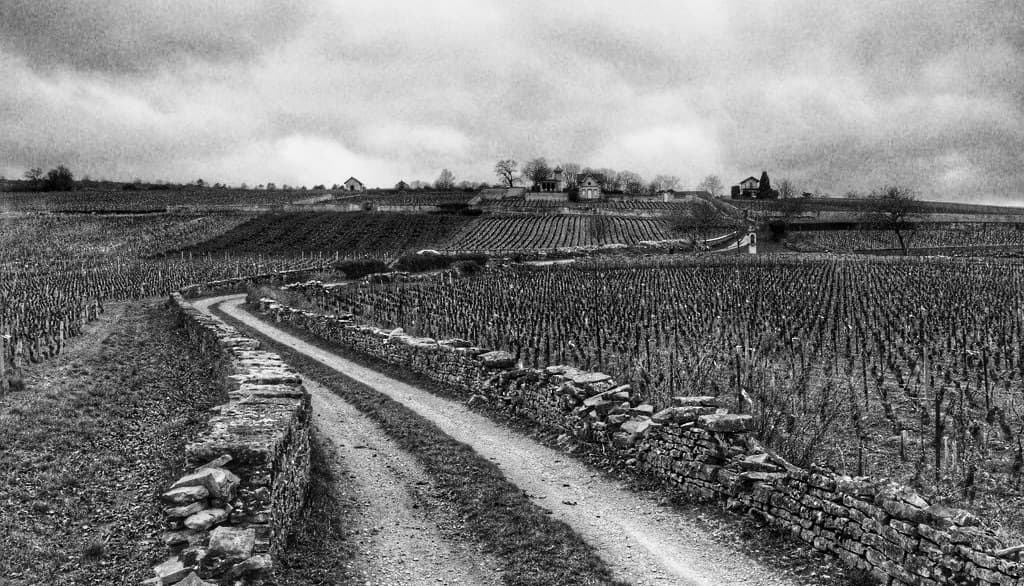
{"x":329,"y":234}
{"x":518,"y":233}
{"x":904,"y":368}
{"x":57,"y":272}
{"x":142,"y":201}
{"x":836,"y":204}
{"x":938,"y":237}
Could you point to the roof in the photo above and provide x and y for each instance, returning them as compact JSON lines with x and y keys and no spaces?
{"x":353,"y":179}
{"x":755,"y":179}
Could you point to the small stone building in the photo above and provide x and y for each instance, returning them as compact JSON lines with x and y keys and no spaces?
{"x":353,"y":184}
{"x":590,"y":188}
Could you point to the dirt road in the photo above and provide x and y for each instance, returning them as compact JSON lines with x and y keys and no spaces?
{"x":399,"y":542}
{"x":642,"y":541}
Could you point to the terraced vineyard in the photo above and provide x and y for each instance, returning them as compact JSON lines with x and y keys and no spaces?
{"x":382,"y":235}
{"x":545,"y":232}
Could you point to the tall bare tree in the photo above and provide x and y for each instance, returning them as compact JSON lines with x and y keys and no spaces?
{"x":894,"y":208}
{"x":664,"y":182}
{"x":445,"y":181}
{"x":630,"y":182}
{"x":571,"y":172}
{"x":537,"y":170}
{"x":786,"y":189}
{"x":506,"y":170}
{"x":711,"y":184}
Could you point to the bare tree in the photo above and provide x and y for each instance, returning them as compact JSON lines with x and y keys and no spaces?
{"x":664,"y":182}
{"x":506,"y":171}
{"x":34,"y":174}
{"x":786,"y":189}
{"x":711,"y":184}
{"x":445,"y":181}
{"x":630,"y":182}
{"x":894,"y":208}
{"x":571,"y":172}
{"x":537,"y":170}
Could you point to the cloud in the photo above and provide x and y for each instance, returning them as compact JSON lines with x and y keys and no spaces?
{"x":298,"y":160}
{"x":835,"y":96}
{"x":137,"y":36}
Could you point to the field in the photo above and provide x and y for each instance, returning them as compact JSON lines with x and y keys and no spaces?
{"x":88,"y":201}
{"x":904,"y":368}
{"x":329,"y":234}
{"x":57,"y":272}
{"x":930,"y":237}
{"x":517,"y":233}
{"x":826,"y":204}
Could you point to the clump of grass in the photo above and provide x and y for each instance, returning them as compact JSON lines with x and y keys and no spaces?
{"x":94,"y":549}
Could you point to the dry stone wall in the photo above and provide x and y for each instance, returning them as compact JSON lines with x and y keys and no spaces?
{"x":242,"y":284}
{"x":249,"y":467}
{"x":700,"y":448}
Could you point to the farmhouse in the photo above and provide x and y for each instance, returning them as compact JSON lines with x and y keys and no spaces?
{"x":747,"y":189}
{"x":754,"y":188}
{"x":590,"y":188}
{"x":556,"y":182}
{"x":353,"y":184}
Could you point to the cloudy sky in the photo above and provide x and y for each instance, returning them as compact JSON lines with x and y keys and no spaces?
{"x":836,"y":96}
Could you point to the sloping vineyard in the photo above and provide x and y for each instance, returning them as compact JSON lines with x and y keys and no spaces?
{"x":544,"y":232}
{"x":56,"y":272}
{"x":947,"y":236}
{"x":380,"y":235}
{"x":904,"y":367}
{"x":84,"y":200}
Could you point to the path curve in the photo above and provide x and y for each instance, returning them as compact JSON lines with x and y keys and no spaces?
{"x":641,"y":541}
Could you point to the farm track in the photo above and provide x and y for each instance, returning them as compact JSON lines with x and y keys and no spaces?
{"x":640,"y":540}
{"x":399,"y":541}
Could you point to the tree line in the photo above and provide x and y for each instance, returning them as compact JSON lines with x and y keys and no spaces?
{"x":538,"y":170}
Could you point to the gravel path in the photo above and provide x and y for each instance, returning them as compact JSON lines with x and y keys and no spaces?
{"x":398,"y":539}
{"x":643,"y":542}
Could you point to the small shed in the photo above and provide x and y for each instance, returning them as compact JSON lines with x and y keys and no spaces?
{"x":353,"y":184}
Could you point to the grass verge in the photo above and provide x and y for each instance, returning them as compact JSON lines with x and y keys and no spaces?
{"x":89,"y":443}
{"x":533,"y":548}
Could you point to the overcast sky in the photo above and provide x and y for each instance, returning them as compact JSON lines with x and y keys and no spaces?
{"x":836,"y":96}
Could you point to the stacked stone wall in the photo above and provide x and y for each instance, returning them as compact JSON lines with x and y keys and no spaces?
{"x":698,"y":447}
{"x":242,"y":284}
{"x":249,"y":466}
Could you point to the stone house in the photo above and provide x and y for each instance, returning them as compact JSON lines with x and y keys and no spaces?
{"x":590,"y":188}
{"x":353,"y":184}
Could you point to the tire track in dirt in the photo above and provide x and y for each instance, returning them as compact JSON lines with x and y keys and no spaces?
{"x":641,"y":541}
{"x":398,"y":540}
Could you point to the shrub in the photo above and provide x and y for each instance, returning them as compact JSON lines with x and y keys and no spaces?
{"x":467,"y":267}
{"x":355,"y":269}
{"x":417,"y":263}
